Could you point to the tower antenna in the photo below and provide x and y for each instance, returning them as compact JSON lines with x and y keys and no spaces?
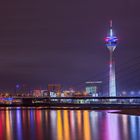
{"x":111,"y":31}
{"x":110,"y":23}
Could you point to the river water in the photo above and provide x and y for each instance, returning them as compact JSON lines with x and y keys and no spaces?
{"x":39,"y":124}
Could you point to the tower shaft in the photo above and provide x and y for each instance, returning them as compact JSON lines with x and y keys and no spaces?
{"x":112,"y":78}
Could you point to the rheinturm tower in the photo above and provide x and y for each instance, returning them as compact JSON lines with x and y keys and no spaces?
{"x":111,"y":43}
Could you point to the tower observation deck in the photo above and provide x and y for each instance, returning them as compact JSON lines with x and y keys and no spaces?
{"x":111,"y":43}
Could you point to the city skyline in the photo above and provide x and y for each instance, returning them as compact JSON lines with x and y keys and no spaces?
{"x":53,"y":44}
{"x":61,"y":76}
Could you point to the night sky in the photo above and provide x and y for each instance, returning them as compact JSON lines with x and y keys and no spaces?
{"x":54,"y":41}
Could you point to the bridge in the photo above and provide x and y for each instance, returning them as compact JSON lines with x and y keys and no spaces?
{"x":75,"y":102}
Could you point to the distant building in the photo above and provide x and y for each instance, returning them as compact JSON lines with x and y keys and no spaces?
{"x":94,"y":88}
{"x":39,"y":93}
{"x":54,"y":90}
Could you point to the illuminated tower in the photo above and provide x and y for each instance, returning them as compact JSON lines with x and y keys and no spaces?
{"x":111,"y":43}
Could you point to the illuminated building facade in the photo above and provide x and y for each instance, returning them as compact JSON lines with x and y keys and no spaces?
{"x":54,"y":90}
{"x":39,"y":92}
{"x":111,"y":43}
{"x":94,"y":88}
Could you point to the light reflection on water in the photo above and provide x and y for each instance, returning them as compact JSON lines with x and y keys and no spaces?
{"x":67,"y":125}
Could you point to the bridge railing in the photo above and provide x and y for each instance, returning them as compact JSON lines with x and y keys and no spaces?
{"x":88,"y":100}
{"x":71,"y":100}
{"x":98,"y":100}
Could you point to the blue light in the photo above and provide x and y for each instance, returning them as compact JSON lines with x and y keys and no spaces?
{"x":111,"y":40}
{"x":17,"y":86}
{"x":8,"y":99}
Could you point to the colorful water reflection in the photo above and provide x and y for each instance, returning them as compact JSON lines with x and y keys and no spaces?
{"x":67,"y":125}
